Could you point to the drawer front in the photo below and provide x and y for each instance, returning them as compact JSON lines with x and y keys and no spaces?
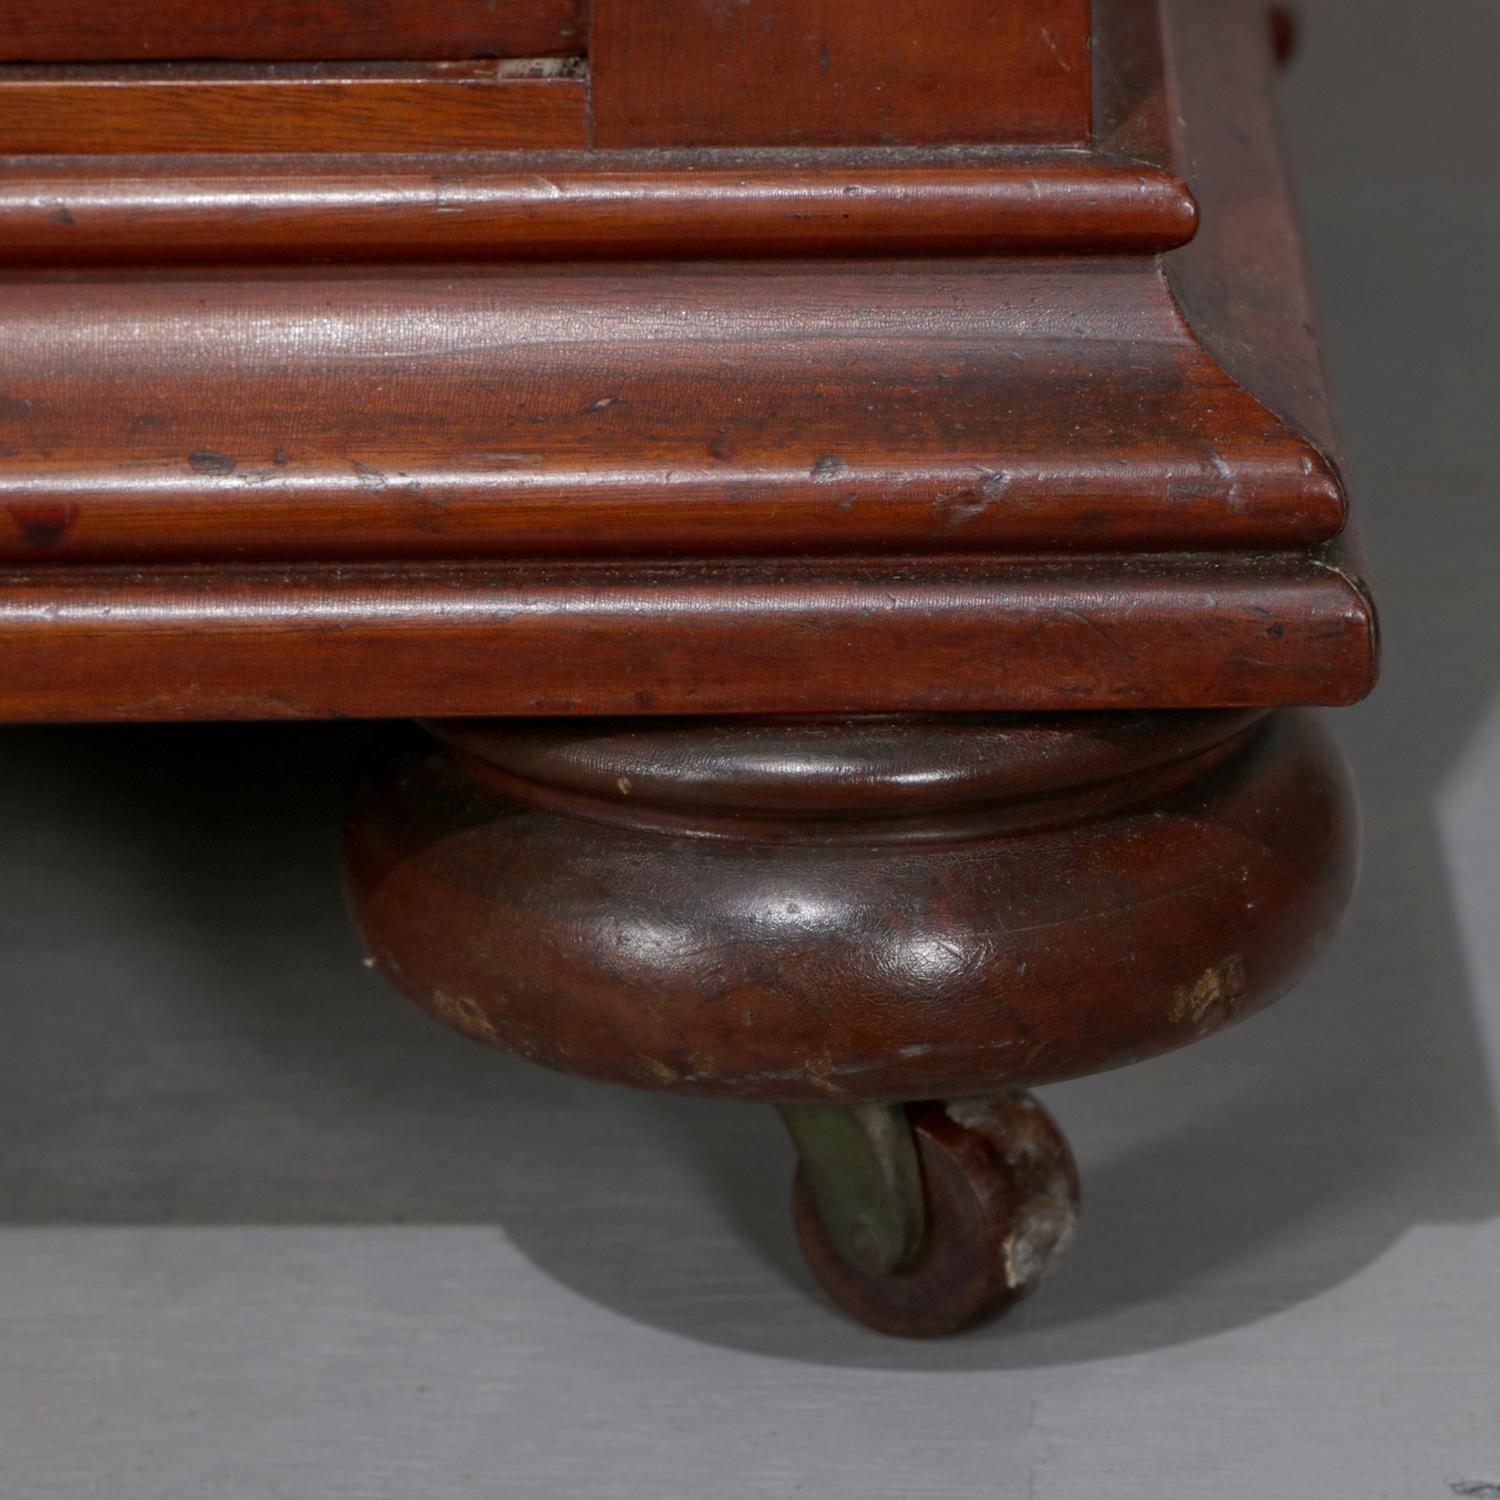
{"x":102,"y":31}
{"x":189,"y":76}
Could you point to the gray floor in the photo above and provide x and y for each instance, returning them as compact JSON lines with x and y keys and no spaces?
{"x":263,"y":1232}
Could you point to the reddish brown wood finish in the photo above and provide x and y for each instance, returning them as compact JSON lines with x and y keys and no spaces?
{"x":841,"y":484}
{"x":595,"y":205}
{"x":253,"y":107}
{"x":733,"y":410}
{"x":310,"y":642}
{"x":288,"y":30}
{"x":1025,"y":915}
{"x":1242,"y":282}
{"x":826,"y":72}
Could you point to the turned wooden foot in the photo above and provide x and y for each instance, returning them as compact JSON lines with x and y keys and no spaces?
{"x":843,"y":917}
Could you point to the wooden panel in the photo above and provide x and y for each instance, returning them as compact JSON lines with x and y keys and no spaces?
{"x":805,"y":72}
{"x":288,"y":30}
{"x":655,"y":410}
{"x":1243,"y":282}
{"x":291,"y":107}
{"x":458,"y":641}
{"x":658,"y":204}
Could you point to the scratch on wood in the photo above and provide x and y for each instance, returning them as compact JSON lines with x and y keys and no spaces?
{"x":1052,"y":46}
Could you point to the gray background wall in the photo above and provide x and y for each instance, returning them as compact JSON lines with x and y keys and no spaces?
{"x":264,"y":1232}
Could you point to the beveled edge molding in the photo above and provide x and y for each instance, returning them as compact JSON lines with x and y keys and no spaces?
{"x":537,"y":206}
{"x":467,"y":640}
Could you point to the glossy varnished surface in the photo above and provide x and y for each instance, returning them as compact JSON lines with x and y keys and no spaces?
{"x":80,"y":210}
{"x":819,"y":458}
{"x":731,"y":770}
{"x":914,"y":952}
{"x":200,"y":642}
{"x":971,"y":406}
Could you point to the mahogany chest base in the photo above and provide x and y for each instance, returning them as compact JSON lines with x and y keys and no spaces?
{"x":889,"y":927}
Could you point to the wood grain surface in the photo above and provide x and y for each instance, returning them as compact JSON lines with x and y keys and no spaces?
{"x":825,"y":72}
{"x":289,"y":30}
{"x":249,"y":107}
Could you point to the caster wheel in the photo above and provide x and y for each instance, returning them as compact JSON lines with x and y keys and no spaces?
{"x":1000,"y":1200}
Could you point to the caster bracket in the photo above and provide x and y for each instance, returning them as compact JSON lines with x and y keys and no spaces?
{"x":861,"y":1163}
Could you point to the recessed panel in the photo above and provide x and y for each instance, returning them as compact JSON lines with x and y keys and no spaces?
{"x":828,"y":72}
